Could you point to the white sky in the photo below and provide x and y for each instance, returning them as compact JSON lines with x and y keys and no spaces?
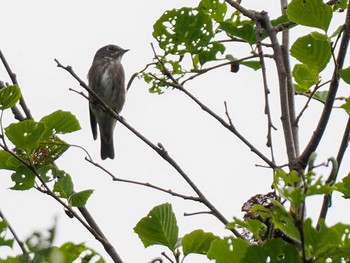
{"x":33,"y":33}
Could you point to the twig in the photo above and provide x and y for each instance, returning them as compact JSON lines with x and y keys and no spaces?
{"x":267,"y":111}
{"x":20,"y":242}
{"x":198,"y":213}
{"x":334,"y":172}
{"x":169,"y":191}
{"x":205,"y":70}
{"x":14,"y":81}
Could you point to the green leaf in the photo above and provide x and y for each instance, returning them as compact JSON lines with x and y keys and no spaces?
{"x":23,"y":178}
{"x":256,"y":227}
{"x":251,"y":64}
{"x":344,"y":186}
{"x":79,"y":252}
{"x":79,"y":199}
{"x":61,"y":122}
{"x":284,"y":221}
{"x":9,"y":97}
{"x":345,"y":74}
{"x":183,"y":30}
{"x":215,"y":8}
{"x":197,"y":242}
{"x":327,"y":242}
{"x":8,"y":161}
{"x":346,"y":106}
{"x":237,"y":27}
{"x":313,"y":50}
{"x":209,"y":53}
{"x":64,"y":187}
{"x":273,"y":250}
{"x":27,"y":135}
{"x":228,"y":250}
{"x":313,"y":13}
{"x":159,"y":227}
{"x":321,"y":95}
{"x":304,"y":76}
{"x":3,"y":240}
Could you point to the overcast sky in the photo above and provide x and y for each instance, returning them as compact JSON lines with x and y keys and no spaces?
{"x":33,"y":33}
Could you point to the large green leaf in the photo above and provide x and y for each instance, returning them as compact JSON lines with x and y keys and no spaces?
{"x":197,"y":242}
{"x":9,"y":97}
{"x":313,"y":13}
{"x":314,"y":50}
{"x":27,"y":135}
{"x":61,"y":122}
{"x":159,"y":227}
{"x":183,"y":30}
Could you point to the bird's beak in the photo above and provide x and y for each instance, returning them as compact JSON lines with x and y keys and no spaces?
{"x":125,"y":50}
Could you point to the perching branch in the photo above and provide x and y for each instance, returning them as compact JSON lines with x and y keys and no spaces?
{"x":160,"y":150}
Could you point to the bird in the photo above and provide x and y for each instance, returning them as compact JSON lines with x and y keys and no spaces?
{"x":106,"y":78}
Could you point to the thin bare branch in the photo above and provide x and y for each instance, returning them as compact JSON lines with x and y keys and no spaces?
{"x":267,"y":111}
{"x":15,"y":82}
{"x":18,"y":240}
{"x":168,"y":191}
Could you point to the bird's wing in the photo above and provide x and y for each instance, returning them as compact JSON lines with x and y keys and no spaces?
{"x":93,"y":124}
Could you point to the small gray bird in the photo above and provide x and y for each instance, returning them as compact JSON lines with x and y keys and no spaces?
{"x":106,"y":78}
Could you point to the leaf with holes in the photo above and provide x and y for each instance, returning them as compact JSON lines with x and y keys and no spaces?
{"x":313,"y":50}
{"x":183,"y":30}
{"x":27,"y":135}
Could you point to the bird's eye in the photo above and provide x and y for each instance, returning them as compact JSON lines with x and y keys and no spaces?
{"x":110,"y":48}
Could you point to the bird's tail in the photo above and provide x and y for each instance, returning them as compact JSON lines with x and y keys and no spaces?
{"x":107,"y":148}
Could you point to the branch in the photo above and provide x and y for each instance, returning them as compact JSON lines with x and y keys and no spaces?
{"x":20,"y":242}
{"x":335,"y":168}
{"x":205,"y":70}
{"x":14,"y":82}
{"x":241,"y":9}
{"x":327,"y":109}
{"x":228,"y":126}
{"x":266,"y":89}
{"x":169,"y":191}
{"x":283,"y":85}
{"x":159,"y":149}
